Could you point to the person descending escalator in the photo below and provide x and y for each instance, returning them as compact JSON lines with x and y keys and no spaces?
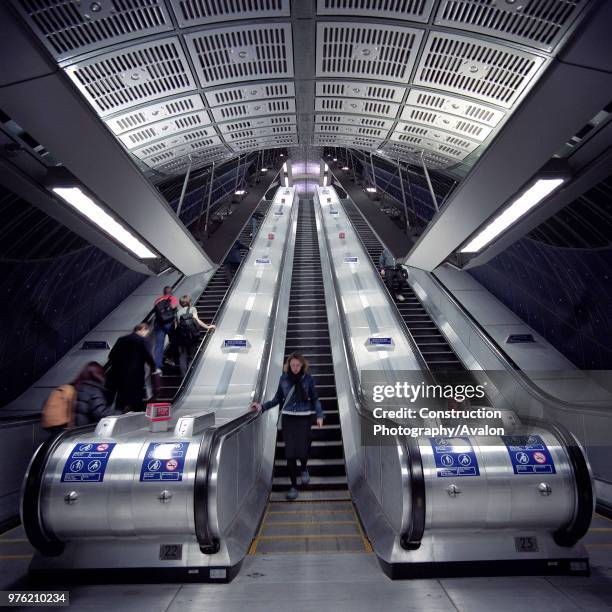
{"x":297,"y":395}
{"x":188,"y":327}
{"x":256,"y":217}
{"x":165,"y":310}
{"x":233,"y":260}
{"x":392,"y":274}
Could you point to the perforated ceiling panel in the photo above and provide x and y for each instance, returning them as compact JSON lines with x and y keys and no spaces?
{"x":436,"y":135}
{"x":155,"y":155}
{"x":198,"y":12}
{"x":412,"y":10}
{"x":489,"y":72}
{"x":254,"y":91}
{"x":71,"y":27}
{"x":198,"y":159}
{"x":453,"y":151}
{"x":247,"y":109}
{"x":355,"y":120}
{"x":455,"y":106}
{"x":537,"y":23}
{"x":237,"y":54}
{"x":163,"y":129}
{"x":154,"y":112}
{"x":259,"y":132}
{"x":366,"y":50}
{"x":270,"y":142}
{"x":256,"y":122}
{"x":359,"y":142}
{"x":361,"y":107}
{"x":413,"y":154}
{"x":465,"y":127}
{"x":138,"y":74}
{"x":355,"y":89}
{"x":341,"y":128}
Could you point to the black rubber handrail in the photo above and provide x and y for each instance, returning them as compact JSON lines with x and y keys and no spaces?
{"x":44,"y":541}
{"x":578,"y":527}
{"x":209,"y":544}
{"x":411,"y":538}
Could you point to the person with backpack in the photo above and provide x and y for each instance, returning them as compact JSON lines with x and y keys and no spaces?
{"x":391,"y":273}
{"x":233,"y":260}
{"x":128,"y":358}
{"x":165,"y":313}
{"x":188,"y":327}
{"x":255,"y":218}
{"x":91,"y":395}
{"x":81,"y":402}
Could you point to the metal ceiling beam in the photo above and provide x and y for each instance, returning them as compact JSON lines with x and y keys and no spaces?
{"x":71,"y":131}
{"x":563,"y":100}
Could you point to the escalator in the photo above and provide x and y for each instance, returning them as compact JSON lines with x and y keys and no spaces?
{"x":208,"y":306}
{"x":434,"y":348}
{"x":323,"y":519}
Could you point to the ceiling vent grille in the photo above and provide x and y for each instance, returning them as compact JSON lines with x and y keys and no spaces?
{"x":350,"y":129}
{"x":156,"y":112}
{"x":259,"y":91}
{"x":198,"y":159}
{"x":136,"y":75}
{"x":368,"y":51}
{"x":387,"y":93}
{"x":266,"y":131}
{"x":178,"y":143}
{"x":490,"y":72}
{"x":361,"y":142}
{"x":361,"y":107}
{"x":248,"y":109}
{"x":186,"y":149}
{"x":445,"y":149}
{"x":437,"y":135}
{"x":257,"y":143}
{"x":198,"y":12}
{"x":163,"y":129}
{"x":385,"y":124}
{"x":537,"y":23}
{"x":239,"y":54}
{"x":465,"y":127}
{"x":412,"y":10}
{"x":257,"y":122}
{"x":70,"y":27}
{"x":413,"y":154}
{"x":455,"y":106}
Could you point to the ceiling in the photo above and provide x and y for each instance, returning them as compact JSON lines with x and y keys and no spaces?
{"x":182,"y":82}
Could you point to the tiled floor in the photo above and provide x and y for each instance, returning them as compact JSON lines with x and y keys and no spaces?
{"x":339,"y":582}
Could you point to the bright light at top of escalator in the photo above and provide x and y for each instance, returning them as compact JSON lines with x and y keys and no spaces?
{"x":521,"y":206}
{"x":87,"y":207}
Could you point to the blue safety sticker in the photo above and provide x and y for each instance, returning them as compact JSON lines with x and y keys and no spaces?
{"x":238,"y":343}
{"x":454,"y":457}
{"x":529,"y":455}
{"x":378,"y":341}
{"x":87,"y":462}
{"x":164,"y":461}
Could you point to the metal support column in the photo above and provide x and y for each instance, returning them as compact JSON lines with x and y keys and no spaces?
{"x":431,"y":191}
{"x":180,"y":204}
{"x":401,"y":180}
{"x":212,"y":178}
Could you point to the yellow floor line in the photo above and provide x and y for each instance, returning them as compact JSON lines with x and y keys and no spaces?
{"x":311,"y":522}
{"x":14,"y":557}
{"x":601,"y":529}
{"x":308,"y":537}
{"x":13,"y":541}
{"x":366,"y":542}
{"x":253,"y":547}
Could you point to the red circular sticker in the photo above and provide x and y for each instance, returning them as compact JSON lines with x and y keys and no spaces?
{"x":539,"y":457}
{"x":171,"y":465}
{"x":101,"y":447}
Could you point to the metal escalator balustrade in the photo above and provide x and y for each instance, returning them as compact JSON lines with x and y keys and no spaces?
{"x":208,"y":306}
{"x":323,"y":519}
{"x":430,"y":341}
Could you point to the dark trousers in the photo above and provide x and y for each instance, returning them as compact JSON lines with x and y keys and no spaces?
{"x":393,"y":277}
{"x":293,"y":469}
{"x":230,"y":268}
{"x":186,"y":352}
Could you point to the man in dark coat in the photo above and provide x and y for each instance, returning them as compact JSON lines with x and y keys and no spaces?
{"x":128,"y":359}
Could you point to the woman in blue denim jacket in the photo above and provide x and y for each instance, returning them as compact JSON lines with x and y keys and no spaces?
{"x":297,"y":396}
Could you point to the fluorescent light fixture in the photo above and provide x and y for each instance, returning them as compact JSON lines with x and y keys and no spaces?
{"x":264,"y":169}
{"x":335,"y":159}
{"x":371,"y":189}
{"x":345,"y":168}
{"x":379,"y":151}
{"x":521,"y":206}
{"x":240,"y":192}
{"x":282,"y":155}
{"x":285,"y":166}
{"x":286,"y":181}
{"x":324,"y":180}
{"x":326,"y":167}
{"x":87,"y":207}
